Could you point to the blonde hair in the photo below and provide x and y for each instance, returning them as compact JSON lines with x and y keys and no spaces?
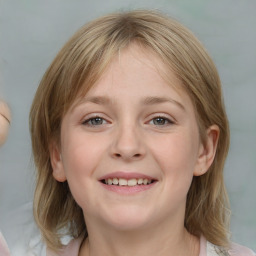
{"x":75,"y":70}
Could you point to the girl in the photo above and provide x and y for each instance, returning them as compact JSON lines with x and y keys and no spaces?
{"x":129,"y":136}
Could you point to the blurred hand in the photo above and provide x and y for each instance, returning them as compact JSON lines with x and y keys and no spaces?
{"x":5,"y":118}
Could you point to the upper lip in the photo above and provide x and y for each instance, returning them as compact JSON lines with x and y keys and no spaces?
{"x":126,"y":175}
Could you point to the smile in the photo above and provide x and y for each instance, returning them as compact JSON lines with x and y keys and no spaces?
{"x":127,"y":182}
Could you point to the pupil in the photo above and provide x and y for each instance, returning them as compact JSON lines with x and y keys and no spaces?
{"x":97,"y":121}
{"x":159,"y":121}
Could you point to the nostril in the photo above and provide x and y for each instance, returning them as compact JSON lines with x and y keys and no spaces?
{"x":120,"y":155}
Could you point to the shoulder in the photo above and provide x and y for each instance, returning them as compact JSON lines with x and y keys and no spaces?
{"x":21,"y":233}
{"x":235,"y":250}
{"x":71,"y":248}
{"x":209,"y":249}
{"x":239,"y":250}
{"x":24,"y":238}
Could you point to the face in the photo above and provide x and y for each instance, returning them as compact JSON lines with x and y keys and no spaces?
{"x":131,"y":146}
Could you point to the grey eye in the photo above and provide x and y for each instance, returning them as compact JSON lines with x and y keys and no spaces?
{"x":95,"y":121}
{"x":160,"y":121}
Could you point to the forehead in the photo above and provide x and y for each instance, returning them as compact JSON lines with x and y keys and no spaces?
{"x":137,"y":73}
{"x":138,"y":65}
{"x":125,"y":64}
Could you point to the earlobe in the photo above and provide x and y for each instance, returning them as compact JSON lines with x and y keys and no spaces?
{"x":57,"y":164}
{"x":207,"y":151}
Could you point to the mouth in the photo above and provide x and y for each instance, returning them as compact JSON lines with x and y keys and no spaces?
{"x":127,"y":182}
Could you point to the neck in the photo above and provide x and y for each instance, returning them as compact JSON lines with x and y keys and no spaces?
{"x":148,"y":242}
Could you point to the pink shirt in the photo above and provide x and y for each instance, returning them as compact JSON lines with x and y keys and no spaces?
{"x":206,"y":249}
{"x":72,"y":249}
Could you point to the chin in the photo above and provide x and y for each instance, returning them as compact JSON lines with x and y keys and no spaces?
{"x":128,"y":218}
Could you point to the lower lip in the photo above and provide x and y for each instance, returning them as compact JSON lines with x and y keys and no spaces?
{"x":128,"y":190}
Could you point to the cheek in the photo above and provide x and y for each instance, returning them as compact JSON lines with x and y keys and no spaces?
{"x":81,"y":155}
{"x":177,"y":152}
{"x":176,"y":156}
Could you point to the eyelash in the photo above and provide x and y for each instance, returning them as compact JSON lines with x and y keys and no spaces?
{"x":89,"y":121}
{"x":166,"y":120}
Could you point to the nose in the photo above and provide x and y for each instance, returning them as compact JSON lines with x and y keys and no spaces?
{"x":128,"y":144}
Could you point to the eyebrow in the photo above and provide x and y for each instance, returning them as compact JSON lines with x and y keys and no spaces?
{"x":100,"y":100}
{"x":152,"y":100}
{"x":159,"y":100}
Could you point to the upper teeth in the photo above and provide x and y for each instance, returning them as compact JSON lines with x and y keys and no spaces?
{"x":125,"y":182}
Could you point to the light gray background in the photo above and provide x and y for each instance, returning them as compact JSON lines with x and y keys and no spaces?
{"x":32,"y":32}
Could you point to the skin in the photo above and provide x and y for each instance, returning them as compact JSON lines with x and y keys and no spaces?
{"x":5,"y":117}
{"x":142,"y":125}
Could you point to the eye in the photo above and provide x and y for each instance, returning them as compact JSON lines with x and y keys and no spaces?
{"x":161,"y":121}
{"x":95,"y":121}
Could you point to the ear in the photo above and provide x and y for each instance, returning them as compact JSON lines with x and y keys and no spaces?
{"x":57,"y":163}
{"x":207,"y":150}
